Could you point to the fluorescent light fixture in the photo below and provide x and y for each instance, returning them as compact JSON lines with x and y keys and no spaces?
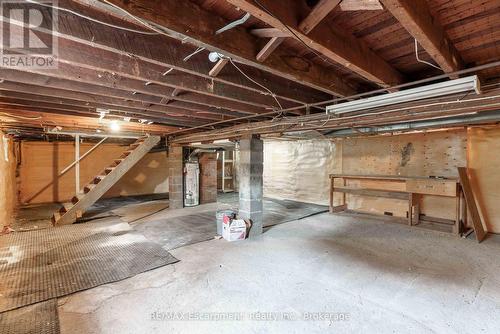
{"x":420,"y":93}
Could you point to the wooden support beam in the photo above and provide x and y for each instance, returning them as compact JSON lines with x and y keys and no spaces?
{"x":340,"y":47}
{"x":269,"y":33}
{"x":471,"y":204}
{"x":355,"y":5}
{"x":168,"y":52}
{"x":269,"y":48}
{"x":402,"y":113}
{"x":218,"y":67}
{"x":44,"y":119}
{"x":415,"y":16}
{"x":319,"y":12}
{"x":50,"y":86}
{"x":160,"y":113}
{"x":236,"y":43}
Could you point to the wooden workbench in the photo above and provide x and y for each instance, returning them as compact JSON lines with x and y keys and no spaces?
{"x":410,"y":189}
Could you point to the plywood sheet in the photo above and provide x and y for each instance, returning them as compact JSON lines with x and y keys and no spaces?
{"x":8,"y":186}
{"x":484,"y":163}
{"x":42,"y":162}
{"x":422,"y":154}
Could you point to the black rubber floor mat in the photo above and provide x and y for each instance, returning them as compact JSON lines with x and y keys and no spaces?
{"x":39,"y":318}
{"x":41,"y":265}
{"x":180,"y":231}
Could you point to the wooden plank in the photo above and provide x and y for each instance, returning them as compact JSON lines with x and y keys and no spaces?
{"x":269,"y":33}
{"x":335,"y":45}
{"x":483,"y":158}
{"x":471,"y":204}
{"x":270,"y":46}
{"x":168,"y":52}
{"x":237,"y":42}
{"x":373,"y":193}
{"x":218,"y":67}
{"x":355,"y":5}
{"x":50,"y":86}
{"x":415,"y":16}
{"x":432,"y":187}
{"x":318,"y":13}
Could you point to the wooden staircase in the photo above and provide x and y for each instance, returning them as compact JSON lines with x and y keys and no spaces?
{"x":70,"y":211}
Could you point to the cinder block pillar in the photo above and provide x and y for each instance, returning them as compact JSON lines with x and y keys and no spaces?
{"x":250,"y":182}
{"x":208,"y":178}
{"x":175,"y":177}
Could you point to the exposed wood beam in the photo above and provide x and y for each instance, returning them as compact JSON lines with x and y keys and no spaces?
{"x":236,"y":43}
{"x":45,"y":119}
{"x":270,"y":46}
{"x":90,"y":58}
{"x":169,"y":52}
{"x":57,"y":87}
{"x":402,"y":113}
{"x":75,"y":107}
{"x":9,"y":89}
{"x":339,"y":47}
{"x":218,"y":67}
{"x":318,"y":13}
{"x":354,"y":5}
{"x":269,"y":33}
{"x":415,"y":16}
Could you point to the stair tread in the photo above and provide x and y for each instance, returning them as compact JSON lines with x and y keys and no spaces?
{"x":147,"y":141}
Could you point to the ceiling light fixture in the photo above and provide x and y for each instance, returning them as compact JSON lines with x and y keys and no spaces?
{"x":114,"y":126}
{"x":414,"y":94}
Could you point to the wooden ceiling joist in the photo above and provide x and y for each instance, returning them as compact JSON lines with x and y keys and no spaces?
{"x":236,"y":43}
{"x":10,"y":89}
{"x":415,"y":16}
{"x":61,"y":88}
{"x":39,"y":119}
{"x":270,"y":46}
{"x":339,"y":47}
{"x":168,"y":52}
{"x":318,"y":13}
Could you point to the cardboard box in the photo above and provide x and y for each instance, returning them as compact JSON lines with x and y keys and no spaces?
{"x":234,"y":229}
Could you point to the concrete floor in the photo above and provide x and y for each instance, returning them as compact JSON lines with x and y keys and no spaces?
{"x":376,"y":277}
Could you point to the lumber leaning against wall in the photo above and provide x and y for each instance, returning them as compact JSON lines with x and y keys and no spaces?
{"x":42,"y":162}
{"x":8,"y":189}
{"x":483,"y":156}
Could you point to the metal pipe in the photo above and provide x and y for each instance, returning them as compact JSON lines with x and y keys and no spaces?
{"x":381,"y":90}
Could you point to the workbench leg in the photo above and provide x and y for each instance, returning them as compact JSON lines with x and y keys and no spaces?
{"x":413,"y":209}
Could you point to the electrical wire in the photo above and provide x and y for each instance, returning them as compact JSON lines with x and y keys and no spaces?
{"x":421,"y":60}
{"x":380,"y":90}
{"x":92,"y":19}
{"x":255,"y":82}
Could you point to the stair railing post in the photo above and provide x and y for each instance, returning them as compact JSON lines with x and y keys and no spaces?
{"x":77,"y":164}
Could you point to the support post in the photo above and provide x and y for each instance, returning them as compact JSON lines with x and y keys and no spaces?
{"x":77,"y":164}
{"x":175,"y":177}
{"x":250,"y":182}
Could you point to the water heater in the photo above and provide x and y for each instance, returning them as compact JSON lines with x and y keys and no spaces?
{"x":191,"y":184}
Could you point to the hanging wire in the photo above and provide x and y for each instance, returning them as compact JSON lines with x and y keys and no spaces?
{"x":421,"y":60}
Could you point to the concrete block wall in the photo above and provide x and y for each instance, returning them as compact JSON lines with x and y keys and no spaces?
{"x":250,"y":182}
{"x":175,"y":177}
